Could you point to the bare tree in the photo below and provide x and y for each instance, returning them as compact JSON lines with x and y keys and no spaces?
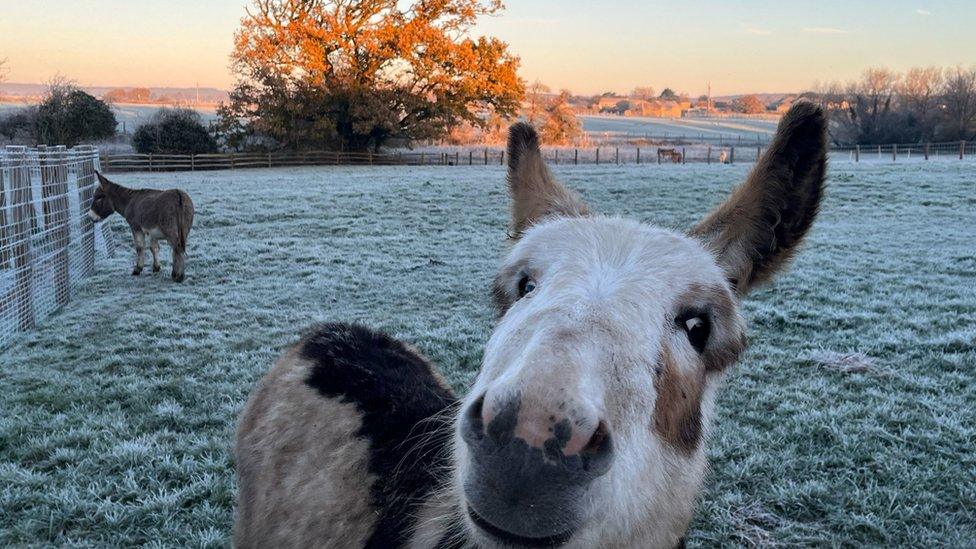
{"x":537,"y":95}
{"x":959,"y":99}
{"x":919,"y":91}
{"x":643,"y":92}
{"x":870,"y":102}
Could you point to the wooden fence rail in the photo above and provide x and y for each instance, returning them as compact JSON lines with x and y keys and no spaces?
{"x":676,"y":154}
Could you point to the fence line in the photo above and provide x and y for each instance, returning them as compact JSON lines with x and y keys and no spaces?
{"x":670,"y":154}
{"x":47,"y":241}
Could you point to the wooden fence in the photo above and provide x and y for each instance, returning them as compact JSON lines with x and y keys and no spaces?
{"x":668,"y":154}
{"x":47,"y":241}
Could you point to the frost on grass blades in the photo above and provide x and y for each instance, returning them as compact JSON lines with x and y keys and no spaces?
{"x":115,"y":420}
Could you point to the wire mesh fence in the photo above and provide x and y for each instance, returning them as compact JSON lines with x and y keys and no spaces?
{"x":48,"y":244}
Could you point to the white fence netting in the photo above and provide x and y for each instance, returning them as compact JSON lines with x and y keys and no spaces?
{"x":48,"y":244}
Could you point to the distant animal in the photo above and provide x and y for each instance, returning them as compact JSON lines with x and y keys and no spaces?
{"x":151,"y":214}
{"x":723,"y":157}
{"x":670,"y":154}
{"x":587,"y":424}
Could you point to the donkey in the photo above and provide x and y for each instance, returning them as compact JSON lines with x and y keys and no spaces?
{"x":588,"y":421}
{"x":150,"y":213}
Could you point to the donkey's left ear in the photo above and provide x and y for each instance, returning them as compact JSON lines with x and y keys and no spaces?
{"x":535,"y":192}
{"x":102,"y":180}
{"x":756,"y":231}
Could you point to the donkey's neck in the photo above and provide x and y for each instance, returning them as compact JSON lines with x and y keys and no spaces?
{"x":120,"y":197}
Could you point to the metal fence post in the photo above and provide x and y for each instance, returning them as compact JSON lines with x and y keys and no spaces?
{"x":86,"y":190}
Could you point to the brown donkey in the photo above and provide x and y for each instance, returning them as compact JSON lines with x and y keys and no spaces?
{"x":150,"y":213}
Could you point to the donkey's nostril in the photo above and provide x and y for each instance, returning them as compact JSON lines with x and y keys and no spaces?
{"x":474,"y":426}
{"x":599,"y":450}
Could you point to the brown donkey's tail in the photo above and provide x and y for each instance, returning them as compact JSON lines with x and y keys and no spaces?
{"x":183,"y":224}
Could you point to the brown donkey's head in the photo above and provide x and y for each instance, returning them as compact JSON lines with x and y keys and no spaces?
{"x":587,"y":422}
{"x":102,"y":205}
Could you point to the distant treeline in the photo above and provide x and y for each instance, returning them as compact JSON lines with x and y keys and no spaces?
{"x":922,"y":105}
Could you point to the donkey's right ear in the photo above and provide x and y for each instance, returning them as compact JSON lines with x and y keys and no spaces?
{"x":758,"y":229}
{"x":535,"y":193}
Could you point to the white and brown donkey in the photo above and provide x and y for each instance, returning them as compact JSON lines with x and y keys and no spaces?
{"x":150,"y":213}
{"x":587,"y":424}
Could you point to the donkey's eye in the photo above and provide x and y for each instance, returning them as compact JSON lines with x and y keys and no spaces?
{"x":525,"y":286}
{"x":698,"y":328}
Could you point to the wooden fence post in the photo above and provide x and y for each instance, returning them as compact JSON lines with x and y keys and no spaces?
{"x":86,"y":191}
{"x":556,"y":160}
{"x":269,"y":159}
{"x":758,"y":152}
{"x":616,"y":156}
{"x":23,"y":213}
{"x":54,"y":200}
{"x":684,"y":156}
{"x":470,"y":157}
{"x":962,"y":150}
{"x":879,"y":152}
{"x":709,"y":155}
{"x":6,"y":229}
{"x":422,"y":159}
{"x":926,"y":151}
{"x":857,"y":153}
{"x":638,"y":155}
{"x":486,"y":156}
{"x":732,"y":154}
{"x":598,"y":156}
{"x":659,"y":155}
{"x":193,"y":162}
{"x":502,"y":161}
{"x":575,"y":156}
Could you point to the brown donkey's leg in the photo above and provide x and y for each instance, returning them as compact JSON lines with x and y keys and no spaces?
{"x":179,"y":259}
{"x":154,"y":248}
{"x":139,"y":238}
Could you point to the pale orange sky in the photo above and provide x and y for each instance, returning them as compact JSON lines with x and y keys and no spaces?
{"x":588,"y":47}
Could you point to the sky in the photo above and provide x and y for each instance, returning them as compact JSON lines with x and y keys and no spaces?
{"x":588,"y":47}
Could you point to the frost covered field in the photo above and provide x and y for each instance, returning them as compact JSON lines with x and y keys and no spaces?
{"x":851,"y":419}
{"x":729,"y":128}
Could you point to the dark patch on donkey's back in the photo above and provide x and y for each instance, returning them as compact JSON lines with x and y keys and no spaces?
{"x":398,"y":393}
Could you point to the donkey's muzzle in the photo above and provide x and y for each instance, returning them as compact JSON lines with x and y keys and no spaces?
{"x":525,"y":494}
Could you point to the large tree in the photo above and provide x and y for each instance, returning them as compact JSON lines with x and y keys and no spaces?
{"x":959,"y":96}
{"x":353,"y":73}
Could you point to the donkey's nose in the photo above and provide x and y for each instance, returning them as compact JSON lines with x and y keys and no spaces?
{"x":531,"y":488}
{"x":560,"y":429}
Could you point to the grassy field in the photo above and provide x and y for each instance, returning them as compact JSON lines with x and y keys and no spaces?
{"x":730,"y":128}
{"x":850,"y":421}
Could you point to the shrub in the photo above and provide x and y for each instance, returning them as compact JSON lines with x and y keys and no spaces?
{"x":69,"y":116}
{"x":174,"y":131}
